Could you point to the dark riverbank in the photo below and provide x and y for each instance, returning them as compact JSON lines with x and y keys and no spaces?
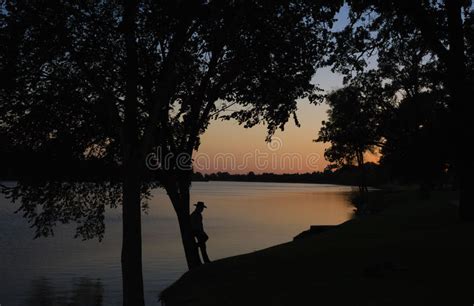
{"x":415,"y":252}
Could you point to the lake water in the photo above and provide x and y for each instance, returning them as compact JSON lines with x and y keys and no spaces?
{"x":241,"y":218}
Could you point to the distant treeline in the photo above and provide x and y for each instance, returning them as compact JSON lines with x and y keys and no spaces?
{"x":347,"y":175}
{"x":14,"y":166}
{"x":16,"y":162}
{"x":56,"y":162}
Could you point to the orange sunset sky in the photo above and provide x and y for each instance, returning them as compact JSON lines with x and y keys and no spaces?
{"x":226,"y":146}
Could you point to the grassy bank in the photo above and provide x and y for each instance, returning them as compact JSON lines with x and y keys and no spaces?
{"x":415,"y":252}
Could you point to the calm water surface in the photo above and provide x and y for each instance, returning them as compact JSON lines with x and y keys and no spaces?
{"x":241,"y":218}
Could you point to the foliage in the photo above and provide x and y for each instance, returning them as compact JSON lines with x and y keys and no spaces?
{"x":48,"y":203}
{"x":397,"y":50}
{"x":351,"y":127}
{"x":98,"y":80}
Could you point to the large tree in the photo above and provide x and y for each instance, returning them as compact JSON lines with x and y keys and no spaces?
{"x":444,"y":28}
{"x":394,"y":99}
{"x":115,"y":80}
{"x":353,"y":125}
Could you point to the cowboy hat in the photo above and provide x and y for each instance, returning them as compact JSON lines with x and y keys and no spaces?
{"x":200,"y":204}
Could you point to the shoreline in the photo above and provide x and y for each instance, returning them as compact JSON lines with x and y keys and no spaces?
{"x":414,"y":252}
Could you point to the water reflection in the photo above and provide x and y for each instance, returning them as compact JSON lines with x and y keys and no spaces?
{"x":241,"y":218}
{"x":84,"y":292}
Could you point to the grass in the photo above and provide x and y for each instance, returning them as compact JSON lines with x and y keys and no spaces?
{"x":414,"y":252}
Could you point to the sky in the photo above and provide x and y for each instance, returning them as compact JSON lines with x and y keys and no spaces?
{"x":227,"y":146}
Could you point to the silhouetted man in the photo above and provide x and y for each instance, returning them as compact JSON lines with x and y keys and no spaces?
{"x":198,"y":230}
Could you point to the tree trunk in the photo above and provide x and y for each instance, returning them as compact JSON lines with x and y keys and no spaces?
{"x":190,"y":247}
{"x":132,"y":278}
{"x":461,"y":106}
{"x":363,"y":190}
{"x":180,"y":199}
